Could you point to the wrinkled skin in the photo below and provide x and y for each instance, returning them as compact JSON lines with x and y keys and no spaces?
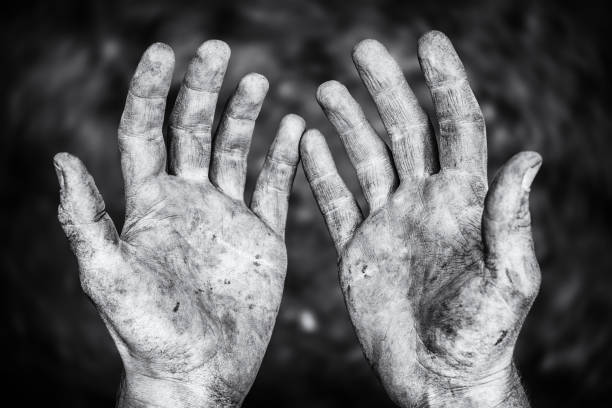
{"x":196,"y":284}
{"x":420,"y":295}
{"x":190,"y":290}
{"x":441,"y":274}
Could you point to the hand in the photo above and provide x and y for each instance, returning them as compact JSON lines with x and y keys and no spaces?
{"x":190,"y":289}
{"x":440,"y":276}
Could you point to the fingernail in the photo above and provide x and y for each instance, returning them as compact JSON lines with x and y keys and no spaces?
{"x":530,"y":174}
{"x":59,"y":171}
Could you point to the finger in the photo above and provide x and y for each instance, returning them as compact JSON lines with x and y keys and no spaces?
{"x":462,"y":141}
{"x":336,"y":202}
{"x":506,"y":221}
{"x":271,"y":195}
{"x":233,"y":140}
{"x":367,"y":152}
{"x":193,"y":114}
{"x":141,"y":142}
{"x":412,"y":140}
{"x":82,"y":213}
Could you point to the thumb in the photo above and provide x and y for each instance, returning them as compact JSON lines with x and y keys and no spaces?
{"x":81,"y":212}
{"x":506,"y":223}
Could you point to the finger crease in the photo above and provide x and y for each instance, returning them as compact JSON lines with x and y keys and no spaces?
{"x":146,"y":135}
{"x":449,"y":83}
{"x":354,"y":127}
{"x":391,"y":88}
{"x":236,"y":154}
{"x":200,"y":90}
{"x":462,"y":120}
{"x":366,"y":164}
{"x":238,"y":118}
{"x":401,"y":131}
{"x":271,"y":187}
{"x":197,"y":130}
{"x":278,"y":161}
{"x":148,"y":97}
{"x":335,"y":205}
{"x":321,"y":178}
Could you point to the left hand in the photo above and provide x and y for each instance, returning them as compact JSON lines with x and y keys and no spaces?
{"x":191,"y":288}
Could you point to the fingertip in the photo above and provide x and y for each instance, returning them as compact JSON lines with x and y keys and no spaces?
{"x":330,"y":94}
{"x":439,"y":58}
{"x":161,"y":51}
{"x":523,"y":162}
{"x":60,"y":158}
{"x":377,"y":68}
{"x":528,"y":158}
{"x":286,"y":144}
{"x":511,"y":183}
{"x":79,"y":197}
{"x":207,"y":68}
{"x":67,"y":163}
{"x":293,"y":121}
{"x":435,"y":45}
{"x":153,"y":75}
{"x":367,"y":50}
{"x":255,"y":85}
{"x":292,"y":127}
{"x":311,"y":140}
{"x":248,"y":98}
{"x":432,"y":39}
{"x":528,"y":164}
{"x":58,"y":164}
{"x":73,"y":170}
{"x":315,"y":154}
{"x":214,"y":49}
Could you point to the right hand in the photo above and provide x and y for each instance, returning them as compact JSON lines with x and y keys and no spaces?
{"x":437,"y":289}
{"x":191,"y":288}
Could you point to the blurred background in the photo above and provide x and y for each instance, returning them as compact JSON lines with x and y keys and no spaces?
{"x":538,"y":69}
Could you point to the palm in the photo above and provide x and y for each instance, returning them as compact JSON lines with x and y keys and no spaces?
{"x":191,"y":288}
{"x":408,"y":275}
{"x":440,"y":275}
{"x":208,"y":271}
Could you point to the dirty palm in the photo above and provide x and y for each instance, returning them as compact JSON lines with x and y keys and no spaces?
{"x":441,"y":274}
{"x":191,"y":288}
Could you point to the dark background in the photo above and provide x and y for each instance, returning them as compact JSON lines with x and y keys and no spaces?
{"x":538,"y":69}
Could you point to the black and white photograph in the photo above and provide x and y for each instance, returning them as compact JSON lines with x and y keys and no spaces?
{"x":285,"y":203}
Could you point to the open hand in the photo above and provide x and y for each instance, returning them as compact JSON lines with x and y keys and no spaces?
{"x":190,"y":289}
{"x":441,"y":274}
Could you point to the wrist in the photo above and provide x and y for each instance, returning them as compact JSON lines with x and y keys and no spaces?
{"x":502,"y":389}
{"x":140,"y":391}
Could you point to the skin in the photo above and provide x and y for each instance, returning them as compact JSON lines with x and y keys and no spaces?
{"x":439,"y":277}
{"x":191,"y":287}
